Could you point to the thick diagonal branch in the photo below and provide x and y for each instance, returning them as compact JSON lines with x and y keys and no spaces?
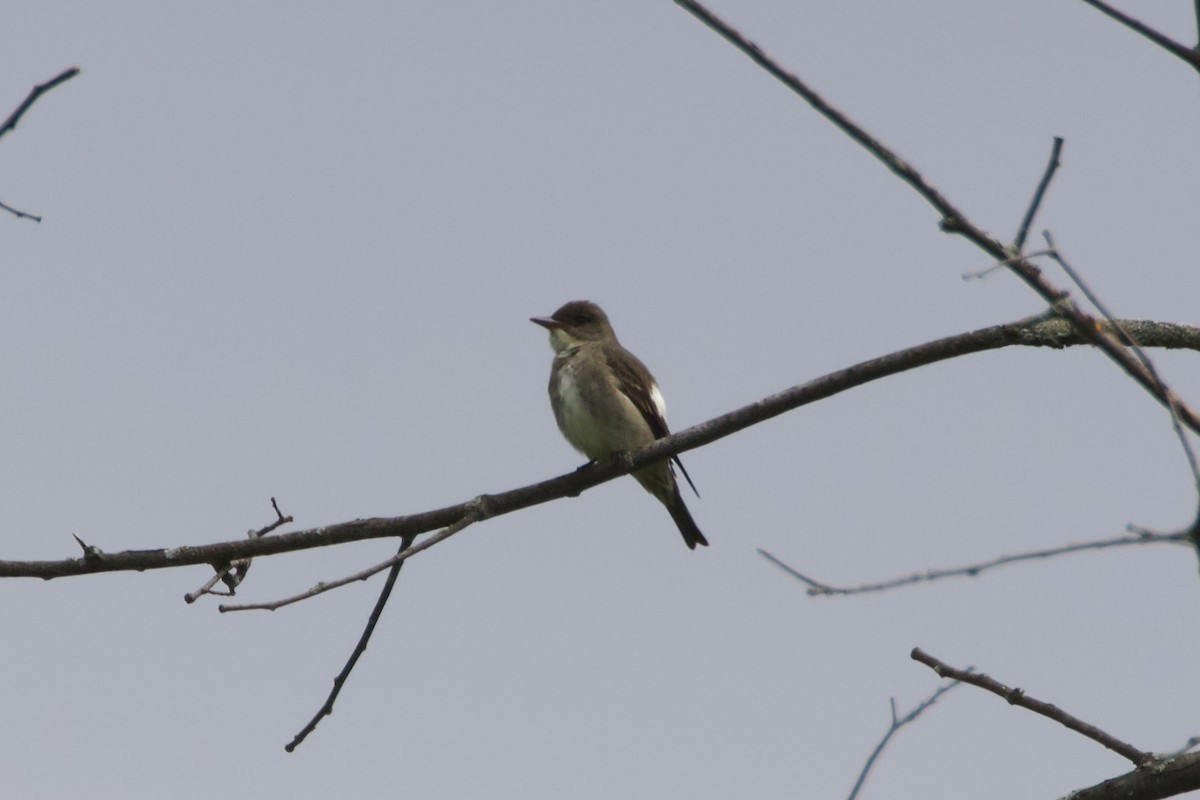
{"x":955,"y":221}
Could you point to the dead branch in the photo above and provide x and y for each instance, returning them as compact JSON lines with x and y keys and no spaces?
{"x":37,"y":91}
{"x":1038,"y":195}
{"x":1173,"y":47}
{"x":1165,"y":778}
{"x":1173,"y":401}
{"x":1134,"y":537}
{"x":231,"y":573}
{"x":340,"y":679}
{"x":1017,"y":697}
{"x":401,"y":556}
{"x":897,"y":724}
{"x":954,"y":221}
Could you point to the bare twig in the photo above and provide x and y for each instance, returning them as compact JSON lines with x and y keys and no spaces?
{"x":1017,"y":697}
{"x":1173,"y":404}
{"x":340,"y":680}
{"x":15,"y":117}
{"x":20,"y":214}
{"x":817,"y":588}
{"x":232,"y":573}
{"x":1036,"y":203}
{"x":37,"y":91}
{"x":979,"y":274}
{"x":1170,"y":45}
{"x":407,"y":548}
{"x":896,"y":725}
{"x":401,"y":556}
{"x":953,"y":220}
{"x":1034,"y":332}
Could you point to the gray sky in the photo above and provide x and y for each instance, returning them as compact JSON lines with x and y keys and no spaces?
{"x":290,"y":250}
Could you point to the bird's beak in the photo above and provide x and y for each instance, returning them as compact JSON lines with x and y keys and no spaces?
{"x":547,"y":323}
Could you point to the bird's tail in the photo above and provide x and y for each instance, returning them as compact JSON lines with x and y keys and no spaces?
{"x":660,"y":482}
{"x":683,"y":520}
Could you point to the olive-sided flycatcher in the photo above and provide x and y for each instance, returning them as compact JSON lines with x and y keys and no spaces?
{"x":605,"y":400}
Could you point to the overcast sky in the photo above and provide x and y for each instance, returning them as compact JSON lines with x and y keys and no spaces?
{"x":291,"y":250}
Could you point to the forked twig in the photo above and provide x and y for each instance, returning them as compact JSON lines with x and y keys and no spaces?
{"x":402,"y":555}
{"x":232,"y":573}
{"x":897,"y":724}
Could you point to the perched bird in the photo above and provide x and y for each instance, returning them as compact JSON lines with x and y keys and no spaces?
{"x":605,"y":400}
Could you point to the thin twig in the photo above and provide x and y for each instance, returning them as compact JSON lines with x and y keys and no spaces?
{"x":979,"y":274}
{"x":817,"y":588}
{"x":232,"y":573}
{"x":896,"y":725}
{"x":15,"y":117}
{"x":1170,"y":45}
{"x":20,"y":214}
{"x":477,"y":512}
{"x":1173,"y":404}
{"x":953,"y":220}
{"x":1036,"y":203}
{"x":37,"y":91}
{"x":1017,"y":697}
{"x":360,"y":648}
{"x":400,"y":557}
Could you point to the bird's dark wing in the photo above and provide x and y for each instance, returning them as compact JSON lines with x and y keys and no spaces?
{"x":636,"y":383}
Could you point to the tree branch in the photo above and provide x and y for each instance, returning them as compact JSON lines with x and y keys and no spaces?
{"x":953,"y":220}
{"x":15,"y":117}
{"x":340,"y":679}
{"x":817,"y":588}
{"x":1036,"y":332}
{"x":1165,"y":778}
{"x":37,"y":91}
{"x":401,"y":556}
{"x":897,"y":724}
{"x":1173,"y":401}
{"x":231,"y":573}
{"x":1170,"y":45}
{"x":1036,"y":203}
{"x":1198,"y":26}
{"x":1154,"y":776}
{"x":19,"y":214}
{"x":1017,"y":697}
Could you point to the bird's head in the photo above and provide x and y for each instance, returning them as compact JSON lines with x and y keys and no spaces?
{"x":578,"y":322}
